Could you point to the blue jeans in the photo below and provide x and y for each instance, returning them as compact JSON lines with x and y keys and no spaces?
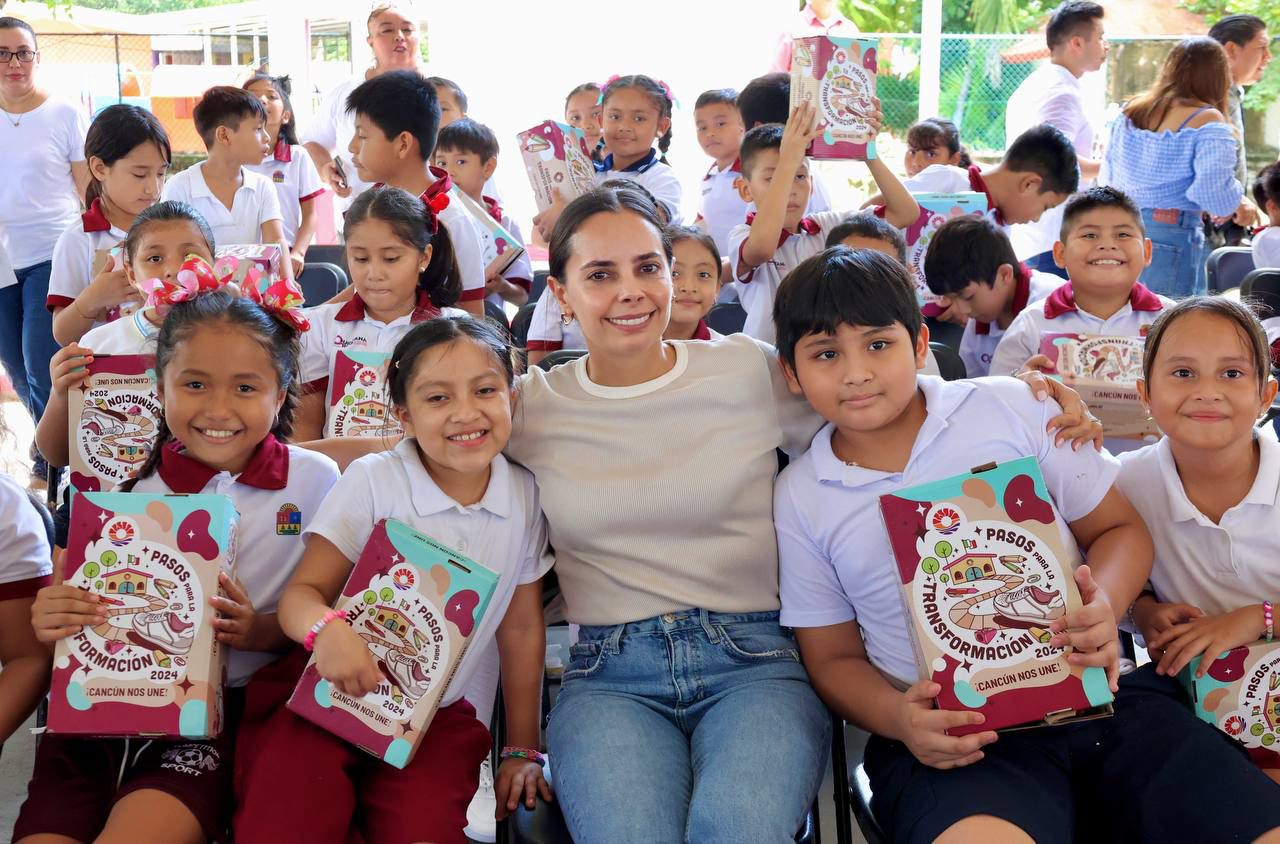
{"x":26,"y":335}
{"x":1178,"y":256}
{"x":692,"y":726}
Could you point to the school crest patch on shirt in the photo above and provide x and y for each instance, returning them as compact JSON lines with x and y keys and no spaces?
{"x":288,"y":520}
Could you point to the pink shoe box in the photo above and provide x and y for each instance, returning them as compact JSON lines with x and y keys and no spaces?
{"x":416,"y":603}
{"x":1104,"y":371}
{"x":837,"y":75}
{"x":1240,"y":695}
{"x":113,"y":422}
{"x":359,"y":404}
{"x":241,"y":258}
{"x":555,"y":156}
{"x":153,"y":668}
{"x":984,"y":572}
{"x":507,"y":248}
{"x":935,"y":209}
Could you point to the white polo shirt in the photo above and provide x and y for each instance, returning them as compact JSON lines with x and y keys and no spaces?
{"x":255,"y":203}
{"x":333,"y":127}
{"x":1216,"y":567}
{"x":293,"y":174}
{"x":346,"y":325}
{"x":277,"y":495}
{"x":73,"y":255}
{"x":1058,"y":314}
{"x":464,"y":233}
{"x":757,"y":288}
{"x":547,"y":333}
{"x":658,"y":178}
{"x":721,"y":207}
{"x":130,"y":335}
{"x":505,"y":531}
{"x":1266,"y":248}
{"x":835,"y":560}
{"x":25,"y":565}
{"x":980,"y":339}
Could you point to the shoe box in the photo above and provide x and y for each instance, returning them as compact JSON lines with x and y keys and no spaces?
{"x":152,"y":667}
{"x":985,"y":571}
{"x":1240,"y":695}
{"x":416,"y":603}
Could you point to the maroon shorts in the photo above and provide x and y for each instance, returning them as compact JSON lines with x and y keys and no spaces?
{"x":296,"y":782}
{"x":77,"y":781}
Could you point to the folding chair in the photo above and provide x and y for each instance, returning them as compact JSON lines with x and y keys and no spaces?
{"x":536,"y":285}
{"x":1227,"y":267}
{"x":950,"y":367}
{"x":520,"y":324}
{"x":496,"y":315}
{"x":320,"y":282}
{"x":946,"y":333}
{"x":327,"y":253}
{"x":726,"y":318}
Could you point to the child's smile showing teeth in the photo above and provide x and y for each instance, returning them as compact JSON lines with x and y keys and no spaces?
{"x":469,"y":438}
{"x":216,"y":433}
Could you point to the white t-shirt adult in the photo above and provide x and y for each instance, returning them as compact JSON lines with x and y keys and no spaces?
{"x":38,"y":197}
{"x":1266,"y":248}
{"x":333,"y":127}
{"x":835,"y":560}
{"x":254,"y":203}
{"x":293,"y":173}
{"x":74,"y":254}
{"x":25,"y":564}
{"x":504,"y":532}
{"x":1051,"y":94}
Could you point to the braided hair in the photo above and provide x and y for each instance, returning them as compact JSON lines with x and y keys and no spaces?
{"x":655,"y":91}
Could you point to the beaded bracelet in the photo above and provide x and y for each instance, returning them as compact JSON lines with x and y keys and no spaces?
{"x":1268,"y":617}
{"x":523,"y":753}
{"x":309,"y":641}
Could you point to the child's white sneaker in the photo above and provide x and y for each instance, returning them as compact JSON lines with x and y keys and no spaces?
{"x":481,"y":814}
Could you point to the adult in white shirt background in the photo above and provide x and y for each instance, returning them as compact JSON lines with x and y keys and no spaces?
{"x":42,"y":177}
{"x":1052,"y":94}
{"x":393,"y":37}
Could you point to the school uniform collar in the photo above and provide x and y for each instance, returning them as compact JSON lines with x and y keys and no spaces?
{"x":283,"y":151}
{"x":714,"y":170}
{"x":637,"y":167}
{"x":95,"y":219}
{"x":808,"y":226}
{"x":268,"y":468}
{"x":979,"y":184}
{"x":941,"y":399}
{"x":702,"y":331}
{"x":1021,"y":295}
{"x":1265,"y":491}
{"x":442,"y":183}
{"x":494,"y":209}
{"x":429,"y":499}
{"x":354,"y":310}
{"x":1063,"y":300}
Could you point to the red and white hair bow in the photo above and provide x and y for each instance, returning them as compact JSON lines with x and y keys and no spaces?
{"x":280,"y":296}
{"x":194,"y":277}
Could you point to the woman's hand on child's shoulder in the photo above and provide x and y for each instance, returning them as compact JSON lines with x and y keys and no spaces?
{"x":1075,"y":424}
{"x":67,"y":367}
{"x":922,"y":728}
{"x":519,"y":779}
{"x":1206,"y":636}
{"x":343,"y":659}
{"x":60,"y":611}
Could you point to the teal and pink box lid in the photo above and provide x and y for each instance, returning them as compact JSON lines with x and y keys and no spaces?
{"x":416,"y":603}
{"x":153,"y":668}
{"x":985,"y":571}
{"x":1240,"y":695}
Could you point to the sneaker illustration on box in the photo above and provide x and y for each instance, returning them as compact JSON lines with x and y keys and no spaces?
{"x":1030,"y":606}
{"x":406,"y":673}
{"x":164,"y":630}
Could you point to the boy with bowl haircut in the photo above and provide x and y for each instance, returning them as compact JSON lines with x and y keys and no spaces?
{"x":850,"y":339}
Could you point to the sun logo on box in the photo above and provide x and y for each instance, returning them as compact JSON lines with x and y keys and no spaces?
{"x":120,"y":533}
{"x":288,"y":520}
{"x":367,"y":377}
{"x":403,"y":578}
{"x":945,"y":520}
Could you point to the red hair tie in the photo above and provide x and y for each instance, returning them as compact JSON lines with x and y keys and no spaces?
{"x":279,"y":296}
{"x":435,"y":205}
{"x":194,"y":277}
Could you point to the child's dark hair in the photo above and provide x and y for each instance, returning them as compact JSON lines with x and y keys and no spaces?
{"x":1094,"y":198}
{"x":868,"y":225}
{"x":656,"y":92}
{"x":938,"y":132}
{"x":1266,"y":186}
{"x":165,"y":212}
{"x":980,"y":248}
{"x":18,"y":23}
{"x":766,"y":99}
{"x":768,"y":136}
{"x":438,"y":332}
{"x":452,"y":87}
{"x":1045,"y":151}
{"x":1070,"y":19}
{"x":602,"y":200}
{"x":717,"y":96}
{"x":400,"y":101}
{"x":117,"y":131}
{"x":1239,"y":313}
{"x":284,"y":88}
{"x":412,"y":221}
{"x":221,"y":307}
{"x":466,"y":135}
{"x":223,"y":105}
{"x":636,"y":187}
{"x":843,"y":286}
{"x":675,"y":234}
{"x":581,"y":89}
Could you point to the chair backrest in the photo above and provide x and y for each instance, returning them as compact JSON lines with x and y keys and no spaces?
{"x":560,"y":356}
{"x":1263,"y":287}
{"x":328,"y":253}
{"x":1227,"y":267}
{"x":320,"y":282}
{"x":726,"y":317}
{"x":950,"y":366}
{"x":537,"y":285}
{"x":948,"y":334}
{"x":497,"y":314}
{"x":520,"y":325}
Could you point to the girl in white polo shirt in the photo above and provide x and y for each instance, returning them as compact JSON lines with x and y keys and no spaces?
{"x":404,"y":271}
{"x":226,"y":366}
{"x":128,"y":155}
{"x":1209,"y":489}
{"x":452,"y":388}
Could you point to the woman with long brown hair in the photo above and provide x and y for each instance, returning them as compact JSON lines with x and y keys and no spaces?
{"x":1173,"y":151}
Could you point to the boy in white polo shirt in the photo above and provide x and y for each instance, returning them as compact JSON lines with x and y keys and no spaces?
{"x":971,"y":262}
{"x":850,"y":338}
{"x":779,"y":235}
{"x":1104,"y":250}
{"x":720,"y":131}
{"x":240,"y":205}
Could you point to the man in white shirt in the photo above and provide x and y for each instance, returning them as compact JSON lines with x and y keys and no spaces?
{"x":1051,"y":94}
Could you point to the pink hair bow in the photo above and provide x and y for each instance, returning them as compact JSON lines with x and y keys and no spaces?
{"x":280,"y":296}
{"x":194,"y":277}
